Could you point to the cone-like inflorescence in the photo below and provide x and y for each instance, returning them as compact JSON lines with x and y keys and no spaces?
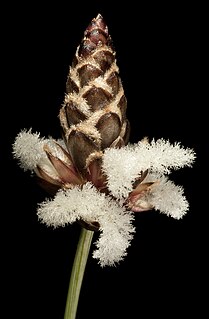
{"x":95,"y":178}
{"x":93,"y":115}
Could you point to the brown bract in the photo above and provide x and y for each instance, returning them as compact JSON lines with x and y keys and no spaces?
{"x":93,"y":115}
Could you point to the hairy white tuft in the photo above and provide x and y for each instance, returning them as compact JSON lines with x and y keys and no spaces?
{"x":117,"y":233}
{"x":162,"y":156}
{"x":123,"y":165}
{"x":119,"y":165}
{"x":88,"y":204}
{"x":28,"y":149}
{"x":58,"y":211}
{"x":167,"y":197}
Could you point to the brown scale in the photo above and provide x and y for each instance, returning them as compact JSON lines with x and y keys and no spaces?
{"x":94,"y":97}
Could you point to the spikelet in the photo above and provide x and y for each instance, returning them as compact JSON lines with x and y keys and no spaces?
{"x":93,"y":115}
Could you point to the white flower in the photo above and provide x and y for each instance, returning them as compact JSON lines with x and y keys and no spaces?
{"x":28,"y":149}
{"x":48,"y":158}
{"x":166,"y":197}
{"x":88,"y":204}
{"x":123,"y":166}
{"x":118,"y":183}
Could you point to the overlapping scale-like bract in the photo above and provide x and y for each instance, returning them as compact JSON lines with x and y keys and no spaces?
{"x":93,"y":115}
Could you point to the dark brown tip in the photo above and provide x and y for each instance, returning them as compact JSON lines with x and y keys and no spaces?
{"x":97,"y":23}
{"x":96,"y":34}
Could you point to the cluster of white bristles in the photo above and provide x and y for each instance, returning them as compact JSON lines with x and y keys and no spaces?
{"x":122,"y":167}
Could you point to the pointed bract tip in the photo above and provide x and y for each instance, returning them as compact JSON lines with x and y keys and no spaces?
{"x":97,"y":22}
{"x":99,"y":16}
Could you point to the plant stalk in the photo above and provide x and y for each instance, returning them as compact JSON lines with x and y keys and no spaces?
{"x":77,"y":273}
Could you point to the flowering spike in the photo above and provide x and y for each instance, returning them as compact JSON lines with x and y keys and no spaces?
{"x":93,"y":115}
{"x":99,"y":179}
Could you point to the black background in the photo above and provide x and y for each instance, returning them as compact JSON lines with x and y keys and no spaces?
{"x":162,"y":56}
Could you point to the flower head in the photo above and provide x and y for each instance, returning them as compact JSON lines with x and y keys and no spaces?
{"x":96,"y":177}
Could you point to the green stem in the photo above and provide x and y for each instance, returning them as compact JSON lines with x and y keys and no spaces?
{"x":77,"y":273}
